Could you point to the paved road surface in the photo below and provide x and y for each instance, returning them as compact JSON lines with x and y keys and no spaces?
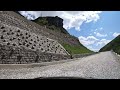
{"x":105,"y":65}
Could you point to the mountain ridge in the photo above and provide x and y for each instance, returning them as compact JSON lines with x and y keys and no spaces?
{"x":113,"y":45}
{"x":57,"y":32}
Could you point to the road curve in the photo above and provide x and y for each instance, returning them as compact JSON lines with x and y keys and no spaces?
{"x":105,"y":65}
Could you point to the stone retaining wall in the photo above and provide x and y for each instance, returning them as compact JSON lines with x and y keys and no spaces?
{"x":12,"y":55}
{"x":22,"y":41}
{"x":13,"y":19}
{"x":11,"y":35}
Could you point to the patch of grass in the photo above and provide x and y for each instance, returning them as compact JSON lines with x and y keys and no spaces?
{"x":42,"y":21}
{"x":70,"y":47}
{"x":76,"y":49}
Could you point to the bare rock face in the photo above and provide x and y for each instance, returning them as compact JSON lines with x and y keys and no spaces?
{"x":18,"y":32}
{"x":58,"y":22}
{"x":57,"y":32}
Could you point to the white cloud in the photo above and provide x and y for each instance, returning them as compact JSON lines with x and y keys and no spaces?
{"x":87,"y":40}
{"x":92,"y":42}
{"x":102,"y":42}
{"x":29,"y":15}
{"x":93,"y":49}
{"x":116,"y":34}
{"x":100,"y":35}
{"x":72,"y":19}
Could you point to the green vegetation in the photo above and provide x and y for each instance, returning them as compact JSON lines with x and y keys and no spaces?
{"x":62,"y":30}
{"x":76,"y":49}
{"x":113,"y":45}
{"x":70,"y":47}
{"x":42,"y":21}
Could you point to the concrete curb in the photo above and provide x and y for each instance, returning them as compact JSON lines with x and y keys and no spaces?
{"x":32,"y":65}
{"x":19,"y":66}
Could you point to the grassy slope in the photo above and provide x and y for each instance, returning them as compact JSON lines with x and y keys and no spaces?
{"x":79,"y":49}
{"x":76,"y":49}
{"x":113,"y":45}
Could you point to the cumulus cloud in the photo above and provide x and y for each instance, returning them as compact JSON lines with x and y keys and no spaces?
{"x":116,"y":34}
{"x":29,"y":15}
{"x":93,"y":49}
{"x":72,"y":19}
{"x":100,"y":35}
{"x":87,"y":40}
{"x":93,"y":43}
{"x":103,"y":42}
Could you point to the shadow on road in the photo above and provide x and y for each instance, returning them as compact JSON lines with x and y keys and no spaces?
{"x":62,"y":78}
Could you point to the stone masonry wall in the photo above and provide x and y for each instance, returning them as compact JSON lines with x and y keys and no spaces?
{"x":13,"y":19}
{"x":10,"y":35}
{"x":22,"y":41}
{"x":15,"y":55}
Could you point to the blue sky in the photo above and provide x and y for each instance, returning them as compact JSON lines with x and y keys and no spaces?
{"x":94,"y":29}
{"x":105,"y":29}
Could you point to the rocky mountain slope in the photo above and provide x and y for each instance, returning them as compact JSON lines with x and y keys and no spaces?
{"x":54,"y":26}
{"x":113,"y":45}
{"x":23,"y":41}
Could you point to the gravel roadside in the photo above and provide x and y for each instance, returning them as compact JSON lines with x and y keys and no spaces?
{"x":99,"y":66}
